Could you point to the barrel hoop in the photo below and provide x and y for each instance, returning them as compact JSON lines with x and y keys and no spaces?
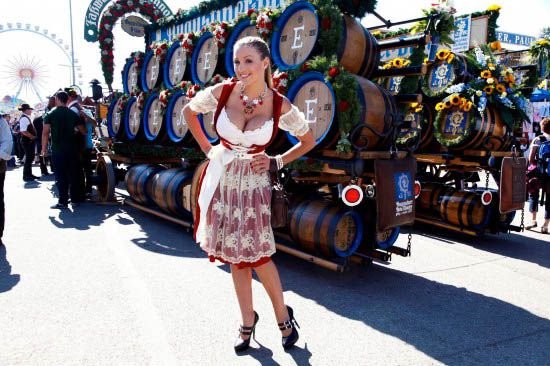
{"x":299,"y":212}
{"x":317,"y":230}
{"x":148,"y":134}
{"x":391,"y":240}
{"x":445,"y":201}
{"x":110,"y":113}
{"x":367,"y":64}
{"x":169,"y":110}
{"x":125,"y":72}
{"x":470,"y":213}
{"x":461,"y":204}
{"x":343,"y":39}
{"x":166,"y":67}
{"x":332,"y":232}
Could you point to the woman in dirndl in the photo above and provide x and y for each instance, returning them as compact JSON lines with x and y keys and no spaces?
{"x":233,"y":224}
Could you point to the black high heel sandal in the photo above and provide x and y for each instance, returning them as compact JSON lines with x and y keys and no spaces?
{"x":291,"y":323}
{"x":243,"y":344}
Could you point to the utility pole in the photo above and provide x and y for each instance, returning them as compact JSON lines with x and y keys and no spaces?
{"x":72,"y":43}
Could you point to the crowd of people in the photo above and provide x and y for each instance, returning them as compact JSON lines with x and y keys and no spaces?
{"x":59,"y":138}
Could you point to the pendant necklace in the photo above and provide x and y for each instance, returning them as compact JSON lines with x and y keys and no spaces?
{"x":248,"y":104}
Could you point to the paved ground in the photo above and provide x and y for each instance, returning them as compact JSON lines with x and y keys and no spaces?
{"x":109,"y":285}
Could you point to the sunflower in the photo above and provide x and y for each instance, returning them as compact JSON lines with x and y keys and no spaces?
{"x":486,"y":74}
{"x":501,"y":88}
{"x":496,"y":46}
{"x":468,"y":106}
{"x":450,"y":58}
{"x":455,"y":99}
{"x":442,"y":54}
{"x":462,"y":102}
{"x":448,"y":104}
{"x":440,"y":106}
{"x":494,"y":7}
{"x":488,"y":89}
{"x":511,"y":78}
{"x":397,"y":62}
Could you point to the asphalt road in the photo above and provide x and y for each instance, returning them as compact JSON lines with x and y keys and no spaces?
{"x":110,"y":285}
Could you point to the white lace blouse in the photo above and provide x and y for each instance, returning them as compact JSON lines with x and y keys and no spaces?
{"x":293,"y":121}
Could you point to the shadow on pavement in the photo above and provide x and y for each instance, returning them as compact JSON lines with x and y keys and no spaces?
{"x":448,"y":323}
{"x":510,"y":245}
{"x":82,"y":217}
{"x":173,"y":239}
{"x":7,"y":279}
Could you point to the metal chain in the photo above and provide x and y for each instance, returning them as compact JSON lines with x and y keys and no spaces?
{"x":486,"y":180}
{"x":522,"y":224}
{"x":409,"y":240}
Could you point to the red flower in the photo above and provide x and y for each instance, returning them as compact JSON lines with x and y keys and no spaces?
{"x":343,"y":106}
{"x":333,"y":72}
{"x":326,"y":23}
{"x":250,"y":12}
{"x":180,"y":36}
{"x":304,"y":67}
{"x":269,"y":25}
{"x":196,"y":87}
{"x":164,"y":46}
{"x":224,"y":25}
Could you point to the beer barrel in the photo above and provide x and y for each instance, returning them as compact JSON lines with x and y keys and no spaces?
{"x":207,"y":124}
{"x":132,"y":120}
{"x":419,"y":126}
{"x":441,"y":75}
{"x":175,"y":65}
{"x":377,"y":111}
{"x":151,"y":75}
{"x":464,"y":209}
{"x":295,"y":35}
{"x":115,"y":115}
{"x":242,"y":29}
{"x":153,"y":115}
{"x":460,"y":130}
{"x":191,"y":197}
{"x":139,"y":182}
{"x":131,"y":76}
{"x":322,"y":228}
{"x":205,"y":59}
{"x":429,"y":200}
{"x":314,"y":96}
{"x":168,"y":188}
{"x":386,"y":239}
{"x":176,"y":125}
{"x":358,"y":50}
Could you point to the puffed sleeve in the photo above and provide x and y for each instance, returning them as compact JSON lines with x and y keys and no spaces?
{"x":204,"y":101}
{"x":294,"y":122}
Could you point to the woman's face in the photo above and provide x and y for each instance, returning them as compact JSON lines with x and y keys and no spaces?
{"x":248,"y":64}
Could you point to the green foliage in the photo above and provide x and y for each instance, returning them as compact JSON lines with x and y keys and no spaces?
{"x":356,"y":8}
{"x":331,"y":25}
{"x":439,"y":24}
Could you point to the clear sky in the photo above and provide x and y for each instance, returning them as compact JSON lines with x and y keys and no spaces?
{"x":525,"y":17}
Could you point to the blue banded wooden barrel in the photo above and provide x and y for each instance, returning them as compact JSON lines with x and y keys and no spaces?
{"x":115,"y":120}
{"x":154,"y":127}
{"x":419,"y":127}
{"x":168,"y":191}
{"x":464,"y":209}
{"x":207,"y":125}
{"x":378,"y":112}
{"x":460,"y":130}
{"x":133,"y":125}
{"x":387,"y":239}
{"x":139,"y":182}
{"x":175,"y":68}
{"x":295,"y":35}
{"x":205,"y":60}
{"x":315,"y":97}
{"x":358,"y":50}
{"x":131,"y":76}
{"x":322,"y":228}
{"x":151,"y":72}
{"x":176,"y":125}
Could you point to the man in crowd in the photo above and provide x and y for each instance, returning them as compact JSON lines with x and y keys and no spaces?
{"x":38,"y":123}
{"x":6,"y":146}
{"x":28,"y":135}
{"x":74,"y":105}
{"x":62,"y":122}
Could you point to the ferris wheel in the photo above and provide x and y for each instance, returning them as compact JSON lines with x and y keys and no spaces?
{"x":35,"y":66}
{"x":26,"y":75}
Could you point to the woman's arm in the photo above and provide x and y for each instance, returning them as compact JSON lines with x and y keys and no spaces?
{"x":533,"y":154}
{"x":193,"y":122}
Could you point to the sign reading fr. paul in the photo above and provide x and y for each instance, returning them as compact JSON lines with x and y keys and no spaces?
{"x":93,"y":15}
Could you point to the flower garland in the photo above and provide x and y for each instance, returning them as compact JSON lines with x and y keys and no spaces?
{"x":441,"y":26}
{"x":443,"y":56}
{"x":265,"y":20}
{"x":412,"y":133}
{"x":356,"y":8}
{"x":345,"y":87}
{"x":160,"y":49}
{"x":280,"y":81}
{"x":540,"y":53}
{"x":331,"y":26}
{"x":220,"y":30}
{"x":188,"y":42}
{"x":107,"y":23}
{"x":460,"y":137}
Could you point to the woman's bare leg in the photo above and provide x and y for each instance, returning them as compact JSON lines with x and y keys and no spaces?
{"x":269,"y":276}
{"x":242,"y":280}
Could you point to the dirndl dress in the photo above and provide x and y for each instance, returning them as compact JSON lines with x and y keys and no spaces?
{"x":234,"y":220}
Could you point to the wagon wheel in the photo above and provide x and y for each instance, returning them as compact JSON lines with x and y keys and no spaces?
{"x":107,"y":181}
